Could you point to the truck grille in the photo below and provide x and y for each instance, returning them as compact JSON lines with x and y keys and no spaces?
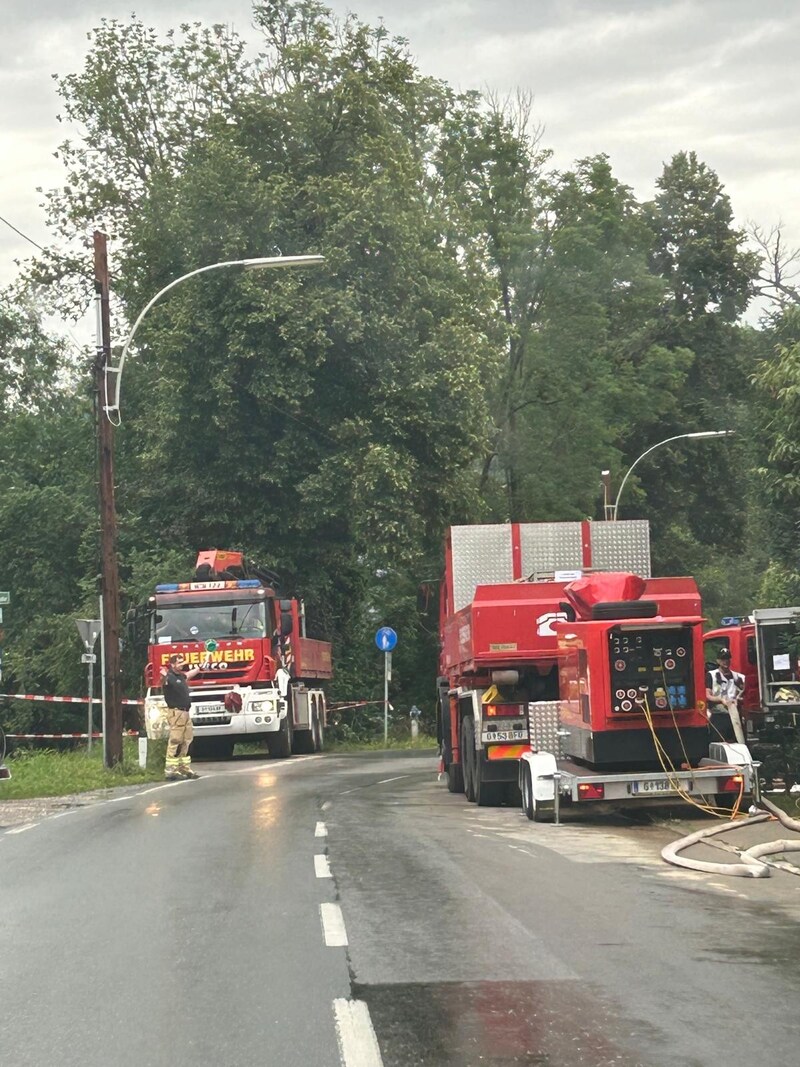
{"x":212,"y":720}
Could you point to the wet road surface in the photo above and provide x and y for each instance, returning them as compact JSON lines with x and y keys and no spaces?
{"x":349,"y":909}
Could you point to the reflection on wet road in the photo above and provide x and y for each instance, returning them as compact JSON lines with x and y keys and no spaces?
{"x":479,"y":1024}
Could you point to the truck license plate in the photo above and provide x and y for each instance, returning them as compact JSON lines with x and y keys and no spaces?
{"x":208,"y":709}
{"x":660,"y":785}
{"x":506,"y":735}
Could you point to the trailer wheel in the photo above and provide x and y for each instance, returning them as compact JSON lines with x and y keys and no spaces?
{"x":527,"y":791}
{"x":468,"y":755}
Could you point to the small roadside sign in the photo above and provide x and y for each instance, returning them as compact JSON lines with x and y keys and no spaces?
{"x":385,"y":639}
{"x":89,"y":630}
{"x":88,"y":657}
{"x":5,"y":598}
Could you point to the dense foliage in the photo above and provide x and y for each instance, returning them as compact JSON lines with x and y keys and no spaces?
{"x":486,"y":335}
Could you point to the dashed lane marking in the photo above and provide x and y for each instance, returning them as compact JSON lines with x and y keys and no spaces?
{"x":358,"y":1045}
{"x":322,"y":867}
{"x":397,"y":779}
{"x":333,"y":928}
{"x":320,"y":830}
{"x":22,"y":829}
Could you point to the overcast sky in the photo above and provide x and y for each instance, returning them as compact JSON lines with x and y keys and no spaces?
{"x":637,"y":79}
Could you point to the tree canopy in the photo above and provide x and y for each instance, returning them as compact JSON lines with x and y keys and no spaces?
{"x":486,"y":335}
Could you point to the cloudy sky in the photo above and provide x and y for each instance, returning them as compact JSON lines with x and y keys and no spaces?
{"x":637,"y":79}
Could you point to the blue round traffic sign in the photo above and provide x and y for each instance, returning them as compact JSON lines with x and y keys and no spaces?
{"x":385,"y":639}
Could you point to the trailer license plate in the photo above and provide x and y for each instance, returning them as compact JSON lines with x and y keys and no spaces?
{"x":660,"y":785}
{"x":208,"y":709}
{"x":505,"y":735}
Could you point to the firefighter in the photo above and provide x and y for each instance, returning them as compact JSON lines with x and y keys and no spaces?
{"x":175,"y":686}
{"x":724,"y":688}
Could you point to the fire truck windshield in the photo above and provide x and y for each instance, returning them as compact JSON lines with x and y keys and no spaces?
{"x":203,"y":621}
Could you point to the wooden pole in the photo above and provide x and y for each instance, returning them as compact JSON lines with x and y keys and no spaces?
{"x":112,"y":740}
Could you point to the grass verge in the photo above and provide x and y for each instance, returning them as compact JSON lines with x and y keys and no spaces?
{"x":46,"y":773}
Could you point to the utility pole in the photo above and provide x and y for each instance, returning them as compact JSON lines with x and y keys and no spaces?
{"x":112,"y":739}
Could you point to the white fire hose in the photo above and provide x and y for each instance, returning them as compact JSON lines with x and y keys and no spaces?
{"x":751,"y":865}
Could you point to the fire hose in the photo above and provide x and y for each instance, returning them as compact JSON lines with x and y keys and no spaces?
{"x":751,"y":865}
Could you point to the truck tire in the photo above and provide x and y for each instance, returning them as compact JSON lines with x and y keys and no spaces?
{"x":319,"y":736}
{"x":279,"y":745}
{"x":468,"y":756}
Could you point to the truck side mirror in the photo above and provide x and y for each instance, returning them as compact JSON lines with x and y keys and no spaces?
{"x":287,"y":623}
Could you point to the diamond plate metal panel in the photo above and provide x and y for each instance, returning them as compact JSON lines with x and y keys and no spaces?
{"x":621,"y":546}
{"x":545,"y":724}
{"x":481,"y":556}
{"x":550,"y":546}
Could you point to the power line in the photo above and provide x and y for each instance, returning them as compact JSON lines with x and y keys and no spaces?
{"x":11,"y":226}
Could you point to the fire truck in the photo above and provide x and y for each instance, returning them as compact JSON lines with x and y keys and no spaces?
{"x":765,"y":648}
{"x":259,"y":676}
{"x":566,"y":678}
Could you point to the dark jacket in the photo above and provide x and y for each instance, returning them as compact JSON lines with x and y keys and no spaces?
{"x":176,"y":690}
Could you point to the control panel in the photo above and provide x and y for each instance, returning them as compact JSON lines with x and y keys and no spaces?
{"x":653,"y":664}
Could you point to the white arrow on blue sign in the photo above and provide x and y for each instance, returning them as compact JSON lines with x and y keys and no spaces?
{"x":385,"y":639}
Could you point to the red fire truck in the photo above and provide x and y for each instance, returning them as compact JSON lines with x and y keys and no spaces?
{"x":765,"y":648}
{"x":565,"y":681}
{"x":260,"y":677}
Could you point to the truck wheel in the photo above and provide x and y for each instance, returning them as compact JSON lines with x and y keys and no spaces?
{"x":319,"y":738}
{"x":468,"y":756}
{"x":279,"y":745}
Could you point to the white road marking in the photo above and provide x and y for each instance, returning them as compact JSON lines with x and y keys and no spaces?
{"x":22,"y":829}
{"x":322,"y":867}
{"x":62,"y":814}
{"x":358,"y":1045}
{"x":333,"y":926}
{"x":321,"y":830}
{"x":397,"y":779}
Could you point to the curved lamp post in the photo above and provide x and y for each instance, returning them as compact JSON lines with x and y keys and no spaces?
{"x":106,"y":421}
{"x":658,"y":444}
{"x":246,"y":264}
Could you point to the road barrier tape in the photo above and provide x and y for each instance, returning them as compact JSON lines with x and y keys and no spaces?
{"x":60,"y":700}
{"x":358,"y":704}
{"x":32,"y":737}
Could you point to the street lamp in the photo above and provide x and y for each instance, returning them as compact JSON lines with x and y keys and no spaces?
{"x":261,"y":263}
{"x":112,"y":738}
{"x":658,"y":444}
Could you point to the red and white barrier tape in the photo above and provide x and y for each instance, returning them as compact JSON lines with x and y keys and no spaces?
{"x":31,"y":737}
{"x":59,"y":700}
{"x":358,"y":704}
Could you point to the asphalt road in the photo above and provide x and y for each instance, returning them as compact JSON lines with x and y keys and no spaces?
{"x":333,"y":909}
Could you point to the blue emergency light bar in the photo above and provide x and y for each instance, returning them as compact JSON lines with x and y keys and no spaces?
{"x":731,"y":620}
{"x":177,"y":587}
